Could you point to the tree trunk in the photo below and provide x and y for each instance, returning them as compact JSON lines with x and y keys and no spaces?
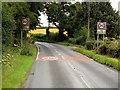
{"x":61,"y":36}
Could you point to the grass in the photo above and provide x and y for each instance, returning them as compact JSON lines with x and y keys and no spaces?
{"x":65,"y":43}
{"x":13,"y":76}
{"x":106,"y":60}
{"x":111,"y":62}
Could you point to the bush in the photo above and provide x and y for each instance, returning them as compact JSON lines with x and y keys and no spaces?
{"x":89,"y":45}
{"x":25,"y":50}
{"x":80,"y":36}
{"x":72,"y":40}
{"x":110,"y":48}
{"x":80,"y":40}
{"x":52,"y":37}
{"x":102,"y":49}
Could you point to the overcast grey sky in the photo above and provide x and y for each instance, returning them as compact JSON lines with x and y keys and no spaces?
{"x":114,"y":4}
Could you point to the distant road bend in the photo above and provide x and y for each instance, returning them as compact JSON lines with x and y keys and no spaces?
{"x":57,"y":66}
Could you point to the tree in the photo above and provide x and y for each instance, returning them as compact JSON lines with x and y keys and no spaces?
{"x":8,"y":25}
{"x":56,"y":13}
{"x":12,"y":15}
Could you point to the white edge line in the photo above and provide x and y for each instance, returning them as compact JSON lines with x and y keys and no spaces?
{"x":37,"y":53}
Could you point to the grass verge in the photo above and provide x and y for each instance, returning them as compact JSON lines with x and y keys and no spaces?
{"x":111,"y":62}
{"x":106,"y":60}
{"x":65,"y":43}
{"x":13,"y":76}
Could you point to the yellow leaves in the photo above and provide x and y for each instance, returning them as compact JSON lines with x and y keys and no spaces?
{"x":43,"y":31}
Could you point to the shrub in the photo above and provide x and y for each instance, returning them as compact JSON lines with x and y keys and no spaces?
{"x":90,"y":43}
{"x":80,"y":36}
{"x":72,"y":40}
{"x":103,"y":49}
{"x":110,"y":48}
{"x":26,"y":51}
{"x":80,"y":40}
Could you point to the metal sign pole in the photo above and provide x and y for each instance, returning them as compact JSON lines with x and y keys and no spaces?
{"x":21,"y":37}
{"x":103,"y":37}
{"x":97,"y":42}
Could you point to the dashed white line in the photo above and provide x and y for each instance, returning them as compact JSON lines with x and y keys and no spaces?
{"x":85,"y":82}
{"x":80,"y":73}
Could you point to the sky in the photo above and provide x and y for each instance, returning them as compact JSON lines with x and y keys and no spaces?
{"x":114,"y":4}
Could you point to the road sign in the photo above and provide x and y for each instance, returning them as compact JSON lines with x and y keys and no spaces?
{"x":101,"y":28}
{"x":25,"y":21}
{"x":101,"y":25}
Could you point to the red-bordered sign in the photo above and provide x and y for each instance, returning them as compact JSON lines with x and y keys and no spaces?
{"x":102,"y":25}
{"x":25,"y":21}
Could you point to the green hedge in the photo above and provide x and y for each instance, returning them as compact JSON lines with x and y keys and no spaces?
{"x":112,"y":62}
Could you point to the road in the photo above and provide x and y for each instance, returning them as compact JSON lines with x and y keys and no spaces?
{"x":58,"y":66}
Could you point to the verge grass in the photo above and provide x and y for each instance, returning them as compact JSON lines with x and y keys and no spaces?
{"x":13,"y":76}
{"x":106,"y":60}
{"x":111,"y":62}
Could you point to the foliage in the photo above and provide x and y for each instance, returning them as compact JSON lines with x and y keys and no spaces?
{"x":79,"y":36}
{"x":90,"y":45}
{"x":8,"y":25}
{"x":14,"y":76}
{"x":111,"y":48}
{"x":12,"y":15}
{"x":106,"y":60}
{"x":52,"y":37}
{"x":25,"y":49}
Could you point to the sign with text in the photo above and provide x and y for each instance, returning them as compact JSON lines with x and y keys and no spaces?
{"x":25,"y":22}
{"x":101,"y":27}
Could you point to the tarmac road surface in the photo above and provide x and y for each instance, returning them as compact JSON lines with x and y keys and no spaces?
{"x":57,"y":66}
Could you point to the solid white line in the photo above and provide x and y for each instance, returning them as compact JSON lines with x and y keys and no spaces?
{"x":37,"y":53}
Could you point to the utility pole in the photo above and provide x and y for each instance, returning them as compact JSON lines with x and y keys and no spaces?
{"x":88,"y":19}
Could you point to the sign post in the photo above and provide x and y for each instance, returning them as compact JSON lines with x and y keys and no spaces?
{"x":25,"y":22}
{"x":21,"y":37}
{"x":101,"y":29}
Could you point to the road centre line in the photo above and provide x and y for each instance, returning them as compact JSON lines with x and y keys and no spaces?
{"x":81,"y":76}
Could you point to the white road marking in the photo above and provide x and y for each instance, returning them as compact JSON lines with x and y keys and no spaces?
{"x":63,"y":57}
{"x":85,"y":82}
{"x":50,"y":58}
{"x":81,"y":75}
{"x":59,"y":53}
{"x":37,"y":53}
